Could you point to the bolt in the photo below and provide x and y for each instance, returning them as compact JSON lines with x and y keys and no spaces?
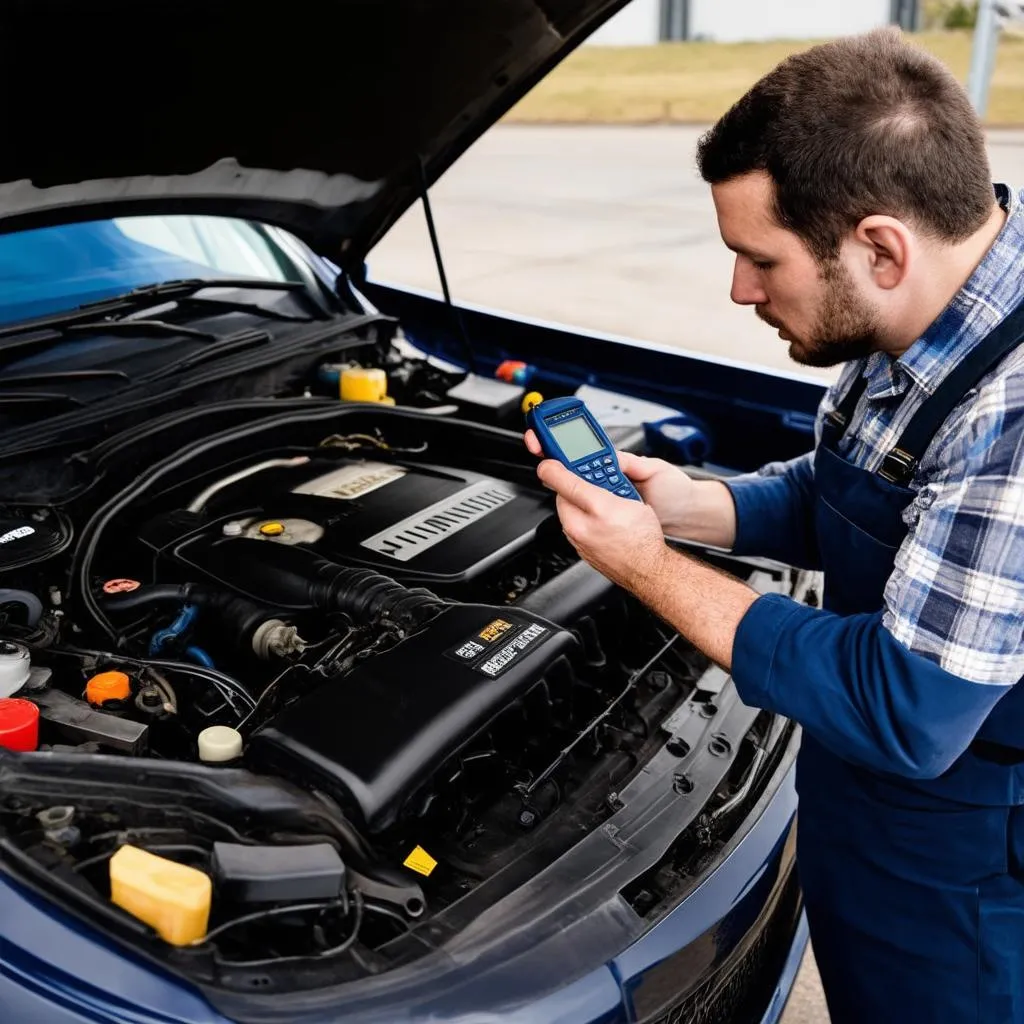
{"x":682,"y":784}
{"x":527,"y":818}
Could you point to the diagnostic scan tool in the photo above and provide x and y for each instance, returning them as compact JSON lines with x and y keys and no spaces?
{"x":567,"y":431}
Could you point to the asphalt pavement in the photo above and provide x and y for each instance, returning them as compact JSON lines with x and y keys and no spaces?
{"x":612,"y":229}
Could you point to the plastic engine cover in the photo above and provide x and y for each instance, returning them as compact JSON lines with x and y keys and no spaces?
{"x":428,"y":524}
{"x":375,"y":736}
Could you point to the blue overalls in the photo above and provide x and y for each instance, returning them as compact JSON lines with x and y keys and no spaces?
{"x":914,"y":888}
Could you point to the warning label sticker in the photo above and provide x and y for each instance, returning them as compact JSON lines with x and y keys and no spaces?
{"x":499,"y":644}
{"x":501,"y":660}
{"x":421,"y":862}
{"x":493,"y":630}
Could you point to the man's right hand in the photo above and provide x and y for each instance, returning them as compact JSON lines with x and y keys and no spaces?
{"x":699,"y":510}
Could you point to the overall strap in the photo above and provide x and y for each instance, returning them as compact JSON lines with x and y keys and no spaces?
{"x":839,"y":418}
{"x":900,"y":463}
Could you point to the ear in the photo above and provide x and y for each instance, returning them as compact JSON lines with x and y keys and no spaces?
{"x":890,"y":248}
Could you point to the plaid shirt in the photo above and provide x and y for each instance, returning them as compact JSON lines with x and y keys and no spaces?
{"x":956,"y":594}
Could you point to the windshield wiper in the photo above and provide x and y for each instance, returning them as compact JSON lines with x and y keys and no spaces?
{"x":48,"y":377}
{"x":145,"y":297}
{"x":37,"y":398}
{"x":136,"y":326}
{"x":225,"y":346}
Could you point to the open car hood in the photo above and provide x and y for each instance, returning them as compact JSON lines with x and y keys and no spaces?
{"x":325,"y":117}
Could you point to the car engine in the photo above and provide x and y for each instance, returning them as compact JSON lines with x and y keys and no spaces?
{"x":386,"y":618}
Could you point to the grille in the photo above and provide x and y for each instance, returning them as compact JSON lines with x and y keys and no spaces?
{"x":740,"y":990}
{"x":439,"y":521}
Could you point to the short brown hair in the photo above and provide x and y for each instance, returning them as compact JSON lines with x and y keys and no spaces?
{"x":864,"y":125}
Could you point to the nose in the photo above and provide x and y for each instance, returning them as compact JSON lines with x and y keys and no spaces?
{"x":747,"y":289}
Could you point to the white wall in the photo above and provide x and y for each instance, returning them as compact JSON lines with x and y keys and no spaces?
{"x":742,"y":20}
{"x":635,"y":25}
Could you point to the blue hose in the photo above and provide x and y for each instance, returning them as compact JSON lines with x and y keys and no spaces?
{"x":181,"y":625}
{"x":199,"y":656}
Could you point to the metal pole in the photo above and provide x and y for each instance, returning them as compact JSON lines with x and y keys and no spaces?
{"x":983,"y":55}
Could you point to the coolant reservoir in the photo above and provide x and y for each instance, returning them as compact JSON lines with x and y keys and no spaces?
{"x":172,"y":898}
{"x":364,"y":384}
{"x":15,"y":666}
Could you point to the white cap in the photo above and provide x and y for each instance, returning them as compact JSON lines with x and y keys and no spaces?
{"x":219,"y":743}
{"x":15,"y":666}
{"x":232,"y":529}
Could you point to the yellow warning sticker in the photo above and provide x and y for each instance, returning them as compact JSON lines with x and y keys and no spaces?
{"x":421,"y":862}
{"x":493,"y":630}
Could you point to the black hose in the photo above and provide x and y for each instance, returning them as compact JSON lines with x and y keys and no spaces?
{"x":157,"y":593}
{"x":293,"y":577}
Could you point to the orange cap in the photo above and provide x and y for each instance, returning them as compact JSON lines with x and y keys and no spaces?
{"x":108,"y":686}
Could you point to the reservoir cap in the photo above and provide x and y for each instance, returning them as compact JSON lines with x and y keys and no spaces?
{"x":19,"y":724}
{"x":108,"y":686}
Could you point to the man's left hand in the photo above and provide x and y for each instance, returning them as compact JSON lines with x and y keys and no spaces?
{"x":619,"y":537}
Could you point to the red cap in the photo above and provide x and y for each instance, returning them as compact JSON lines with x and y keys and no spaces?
{"x":19,"y":724}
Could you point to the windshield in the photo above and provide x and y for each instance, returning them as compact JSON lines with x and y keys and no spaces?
{"x":51,"y":270}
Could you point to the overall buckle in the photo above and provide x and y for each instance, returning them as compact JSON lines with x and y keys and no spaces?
{"x":897,"y":466}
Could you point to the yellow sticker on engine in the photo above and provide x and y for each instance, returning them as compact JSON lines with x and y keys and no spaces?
{"x":493,"y":630}
{"x":421,"y":862}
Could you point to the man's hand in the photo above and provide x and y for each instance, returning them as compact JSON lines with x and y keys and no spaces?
{"x":625,"y":541}
{"x":700,"y":510}
{"x":621,"y":538}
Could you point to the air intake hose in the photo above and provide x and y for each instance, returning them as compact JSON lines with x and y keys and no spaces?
{"x":288,"y":576}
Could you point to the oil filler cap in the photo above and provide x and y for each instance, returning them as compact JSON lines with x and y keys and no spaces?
{"x":272,"y":529}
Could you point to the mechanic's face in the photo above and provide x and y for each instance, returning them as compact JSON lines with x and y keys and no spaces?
{"x":816,"y":307}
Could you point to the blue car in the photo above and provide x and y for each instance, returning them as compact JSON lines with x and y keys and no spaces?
{"x":308,"y":711}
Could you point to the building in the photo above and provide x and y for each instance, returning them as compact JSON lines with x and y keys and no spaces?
{"x":729,"y":21}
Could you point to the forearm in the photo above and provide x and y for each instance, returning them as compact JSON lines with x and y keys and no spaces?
{"x":708,"y":517}
{"x":705,"y":605}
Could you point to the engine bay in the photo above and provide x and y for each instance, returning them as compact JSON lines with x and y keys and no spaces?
{"x":370,"y":614}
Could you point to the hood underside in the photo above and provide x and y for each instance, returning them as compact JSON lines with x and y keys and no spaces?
{"x":325,"y":117}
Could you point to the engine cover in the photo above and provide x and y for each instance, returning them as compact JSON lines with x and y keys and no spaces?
{"x":416,"y":523}
{"x":376,"y":736}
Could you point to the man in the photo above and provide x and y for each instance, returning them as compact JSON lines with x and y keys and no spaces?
{"x":853,"y":186}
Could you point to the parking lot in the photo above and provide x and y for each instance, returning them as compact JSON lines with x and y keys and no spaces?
{"x":611,"y":229}
{"x":607,"y":228}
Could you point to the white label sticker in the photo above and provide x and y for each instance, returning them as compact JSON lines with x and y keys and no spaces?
{"x":352,"y":481}
{"x":512,"y":650}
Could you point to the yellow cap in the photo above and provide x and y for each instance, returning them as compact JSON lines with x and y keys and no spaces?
{"x":531,"y":399}
{"x":274,"y":529}
{"x":108,"y":686}
{"x":363,"y":384}
{"x":172,"y":898}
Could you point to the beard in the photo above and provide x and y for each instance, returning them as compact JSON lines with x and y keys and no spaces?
{"x":847,"y":327}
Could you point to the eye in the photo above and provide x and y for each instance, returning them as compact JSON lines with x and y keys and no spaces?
{"x":763,"y":264}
